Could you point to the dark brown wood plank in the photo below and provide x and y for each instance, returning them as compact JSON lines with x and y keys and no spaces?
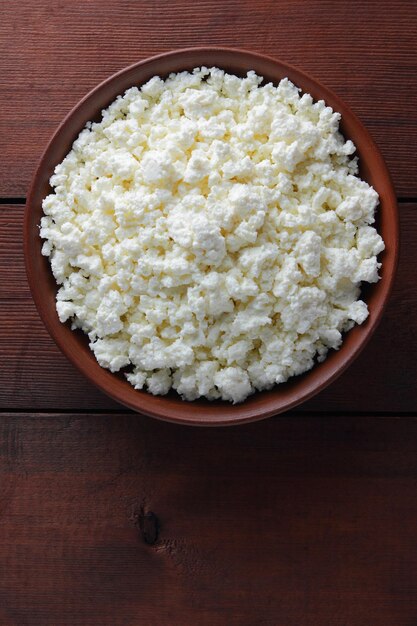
{"x":52,"y":53}
{"x":35,"y":374}
{"x":292,"y":521}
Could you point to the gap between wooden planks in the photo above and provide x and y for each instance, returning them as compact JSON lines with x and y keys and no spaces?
{"x":35,"y":374}
{"x":52,"y":54}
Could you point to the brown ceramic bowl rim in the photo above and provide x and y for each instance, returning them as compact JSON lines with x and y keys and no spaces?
{"x":171,"y":408}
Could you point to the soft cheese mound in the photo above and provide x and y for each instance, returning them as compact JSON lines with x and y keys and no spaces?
{"x":210,"y":234}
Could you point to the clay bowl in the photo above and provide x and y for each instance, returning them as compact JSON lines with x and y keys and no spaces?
{"x":74,"y":344}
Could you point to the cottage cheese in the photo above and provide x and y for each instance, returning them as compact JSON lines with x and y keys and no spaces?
{"x":211,"y":234}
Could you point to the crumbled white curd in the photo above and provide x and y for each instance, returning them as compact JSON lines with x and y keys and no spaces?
{"x":211,"y":234}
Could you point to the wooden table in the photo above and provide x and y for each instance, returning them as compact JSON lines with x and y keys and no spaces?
{"x":108,"y":518}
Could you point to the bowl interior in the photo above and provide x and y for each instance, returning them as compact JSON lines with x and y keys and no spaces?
{"x":75,"y":344}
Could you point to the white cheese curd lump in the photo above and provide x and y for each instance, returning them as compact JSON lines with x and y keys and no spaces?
{"x":210,"y":234}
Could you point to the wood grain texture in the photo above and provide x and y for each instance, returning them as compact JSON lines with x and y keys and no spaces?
{"x":36,"y":375}
{"x":291,"y":522}
{"x":52,"y":53}
{"x":113,"y":519}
